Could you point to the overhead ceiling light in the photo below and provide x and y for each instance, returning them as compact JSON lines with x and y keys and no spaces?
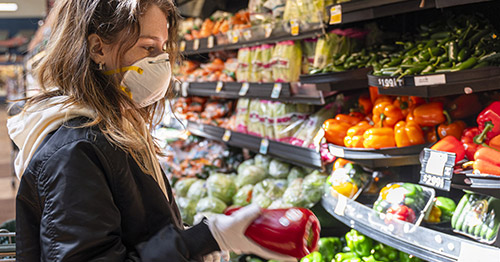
{"x":8,"y":7}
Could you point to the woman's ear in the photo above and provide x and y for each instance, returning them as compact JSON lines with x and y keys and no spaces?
{"x":96,"y":49}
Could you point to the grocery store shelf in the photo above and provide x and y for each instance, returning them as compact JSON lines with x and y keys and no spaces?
{"x":418,"y":241}
{"x":339,"y":81}
{"x":483,"y":184}
{"x":453,"y":83}
{"x":449,"y":3}
{"x":289,"y":92}
{"x":387,"y":157}
{"x":292,"y":154}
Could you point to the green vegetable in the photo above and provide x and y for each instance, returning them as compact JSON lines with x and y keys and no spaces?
{"x":383,"y":252}
{"x":344,"y":257}
{"x":313,"y":257}
{"x":262,"y":161}
{"x":403,"y":257}
{"x":328,"y":247}
{"x":372,"y":259}
{"x":182,"y":186}
{"x":244,"y":196}
{"x":197,"y":190}
{"x":187,"y":208}
{"x":312,"y":187}
{"x":211,"y":204}
{"x":469,"y":63}
{"x":358,"y":243}
{"x":447,"y":207}
{"x":296,"y":172}
{"x":222,"y":187}
{"x":250,"y":175}
{"x":459,"y":209}
{"x":279,"y":169}
{"x":463,"y":54}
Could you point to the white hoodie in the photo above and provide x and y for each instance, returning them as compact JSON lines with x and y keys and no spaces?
{"x":29,"y":128}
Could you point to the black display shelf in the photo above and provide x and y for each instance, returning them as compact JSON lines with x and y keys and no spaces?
{"x":450,"y":3}
{"x":452,"y":83}
{"x":290,"y":92}
{"x":386,"y":157}
{"x":483,"y":184}
{"x":292,"y":154}
{"x":418,"y":241}
{"x":339,"y":81}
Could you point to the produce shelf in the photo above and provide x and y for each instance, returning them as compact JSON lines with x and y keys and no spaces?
{"x":418,"y":241}
{"x":453,"y":83}
{"x":339,"y":81}
{"x":387,"y":157}
{"x":483,"y":184}
{"x":449,"y":3}
{"x":292,"y":154}
{"x":289,"y":92}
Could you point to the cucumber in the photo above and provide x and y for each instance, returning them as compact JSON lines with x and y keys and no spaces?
{"x":477,"y":230}
{"x":471,"y":229}
{"x":492,"y":232}
{"x":461,"y":215}
{"x":458,"y":210}
{"x":484,"y":229}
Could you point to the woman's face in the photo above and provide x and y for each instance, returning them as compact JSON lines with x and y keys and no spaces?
{"x":152,"y":41}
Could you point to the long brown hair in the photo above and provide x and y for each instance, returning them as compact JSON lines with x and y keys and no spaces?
{"x":67,"y":65}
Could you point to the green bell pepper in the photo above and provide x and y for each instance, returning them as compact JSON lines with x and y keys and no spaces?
{"x":313,"y":257}
{"x":447,"y":207}
{"x":403,"y":257}
{"x":371,"y":259}
{"x":358,"y":243}
{"x":328,"y":247}
{"x":345,"y":257}
{"x":384,"y":253}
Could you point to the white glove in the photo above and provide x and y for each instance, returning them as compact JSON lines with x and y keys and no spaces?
{"x":229,"y":232}
{"x":216,"y":256}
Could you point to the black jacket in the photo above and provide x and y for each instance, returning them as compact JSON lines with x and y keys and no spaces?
{"x":82,"y":199}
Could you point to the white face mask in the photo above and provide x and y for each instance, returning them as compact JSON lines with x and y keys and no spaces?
{"x":147,"y":80}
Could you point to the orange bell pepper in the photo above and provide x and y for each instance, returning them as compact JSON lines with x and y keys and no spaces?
{"x":430,"y":114}
{"x":408,"y":134}
{"x":403,"y":103}
{"x":383,"y":98}
{"x":386,"y":114}
{"x":487,"y":161}
{"x":450,"y":128}
{"x":354,"y":136}
{"x":365,"y":104}
{"x":335,"y":131}
{"x":340,"y":163}
{"x":349,"y":119}
{"x":379,"y":137}
{"x":494,"y":142}
{"x":430,"y":135}
{"x":373,"y":93}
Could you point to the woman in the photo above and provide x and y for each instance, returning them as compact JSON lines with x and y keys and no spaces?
{"x":91,"y":187}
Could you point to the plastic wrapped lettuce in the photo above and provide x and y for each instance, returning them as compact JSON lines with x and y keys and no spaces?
{"x":309,"y":50}
{"x":187,"y":207}
{"x":262,"y":161}
{"x":278,"y":169}
{"x":267,"y":56}
{"x":244,"y":66}
{"x":242,"y":115}
{"x":245,"y":164}
{"x":182,"y":186}
{"x":244,"y":196}
{"x":279,"y":203}
{"x":222,"y":187}
{"x":270,"y":188}
{"x":262,"y":200}
{"x":211,"y":204}
{"x":256,"y":61}
{"x":287,"y":61}
{"x":313,"y":187}
{"x":293,"y":194}
{"x":296,"y":172}
{"x":250,"y":175}
{"x":324,"y":52}
{"x":197,"y":190}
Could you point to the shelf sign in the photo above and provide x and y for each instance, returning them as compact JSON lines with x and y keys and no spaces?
{"x":391,"y":82}
{"x":247,"y":34}
{"x":244,"y":89}
{"x":184,"y":89}
{"x":336,"y":14}
{"x":226,"y":136}
{"x":430,"y":80}
{"x":437,"y":169}
{"x":210,"y":42}
{"x":264,"y":146}
{"x":341,"y":205}
{"x":268,"y":29}
{"x":275,"y":94}
{"x":294,"y":27}
{"x":336,"y":151}
{"x":219,"y":87}
{"x":196,"y":44}
{"x":182,"y":47}
{"x":233,"y":36}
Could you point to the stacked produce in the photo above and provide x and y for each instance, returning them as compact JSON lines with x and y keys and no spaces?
{"x":443,"y":209}
{"x":347,"y":178}
{"x":267,"y":182}
{"x":207,"y":111}
{"x":213,"y":71}
{"x":218,"y":24}
{"x":306,"y":11}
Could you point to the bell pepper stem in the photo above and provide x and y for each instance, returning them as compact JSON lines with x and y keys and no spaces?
{"x":479,"y":139}
{"x":382,"y":118}
{"x":448,"y":117}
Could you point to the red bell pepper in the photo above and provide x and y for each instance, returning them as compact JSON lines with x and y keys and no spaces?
{"x":452,"y":145}
{"x":401,"y":212}
{"x":488,"y":122}
{"x":468,"y":141}
{"x":465,"y":106}
{"x":450,"y":128}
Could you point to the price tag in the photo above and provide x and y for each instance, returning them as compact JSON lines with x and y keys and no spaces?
{"x":437,"y":169}
{"x":430,"y":80}
{"x":337,"y":151}
{"x":478,"y":253}
{"x":184,"y":89}
{"x":341,"y":205}
{"x":182,"y":47}
{"x":196,"y":44}
{"x":210,"y":42}
{"x":268,"y":29}
{"x":318,"y":137}
{"x":233,"y":36}
{"x":436,"y":162}
{"x":391,"y":82}
{"x":244,"y":89}
{"x":219,"y":87}
{"x":275,"y":94}
{"x":247,"y":34}
{"x":226,"y":136}
{"x":264,"y":146}
{"x":294,"y":27}
{"x":435,"y":182}
{"x":336,"y":14}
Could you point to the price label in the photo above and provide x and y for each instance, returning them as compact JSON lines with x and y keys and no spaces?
{"x":247,"y":34}
{"x":184,"y":89}
{"x":244,"y":89}
{"x":233,"y":36}
{"x":318,"y":137}
{"x":336,"y":14}
{"x":435,"y":182}
{"x":196,"y":44}
{"x":341,"y":205}
{"x":182,"y":47}
{"x":219,"y":87}
{"x":275,"y":94}
{"x":210,"y":42}
{"x":337,"y":151}
{"x":294,"y":27}
{"x":391,"y":82}
{"x":264,"y":146}
{"x":430,"y":80}
{"x":268,"y":29}
{"x":226,"y":136}
{"x":469,"y":252}
{"x":437,"y":169}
